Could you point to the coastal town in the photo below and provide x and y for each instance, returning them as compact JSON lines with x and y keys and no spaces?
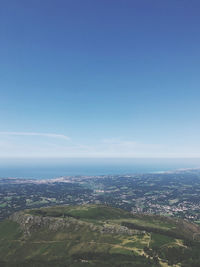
{"x":173,"y":194}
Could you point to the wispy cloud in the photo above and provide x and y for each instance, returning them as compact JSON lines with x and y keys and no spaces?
{"x":51,"y":135}
{"x":55,"y":146}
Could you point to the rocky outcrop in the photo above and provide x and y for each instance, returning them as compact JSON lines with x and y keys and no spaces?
{"x":116,"y":229}
{"x":32,"y":223}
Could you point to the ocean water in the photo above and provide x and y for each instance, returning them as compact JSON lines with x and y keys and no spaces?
{"x":51,"y":168}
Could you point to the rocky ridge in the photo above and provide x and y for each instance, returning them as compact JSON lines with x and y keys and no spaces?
{"x":31,"y":223}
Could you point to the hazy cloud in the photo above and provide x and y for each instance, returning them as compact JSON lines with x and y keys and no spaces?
{"x":56,"y":147}
{"x":52,"y":135}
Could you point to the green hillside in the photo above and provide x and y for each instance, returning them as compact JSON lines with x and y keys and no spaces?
{"x":96,"y":235}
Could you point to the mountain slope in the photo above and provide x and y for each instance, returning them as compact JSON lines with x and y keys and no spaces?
{"x":96,"y":235}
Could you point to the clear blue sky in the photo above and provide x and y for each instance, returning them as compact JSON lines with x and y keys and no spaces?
{"x":99,"y":78}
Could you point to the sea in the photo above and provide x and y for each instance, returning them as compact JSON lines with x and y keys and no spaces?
{"x":53,"y":168}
